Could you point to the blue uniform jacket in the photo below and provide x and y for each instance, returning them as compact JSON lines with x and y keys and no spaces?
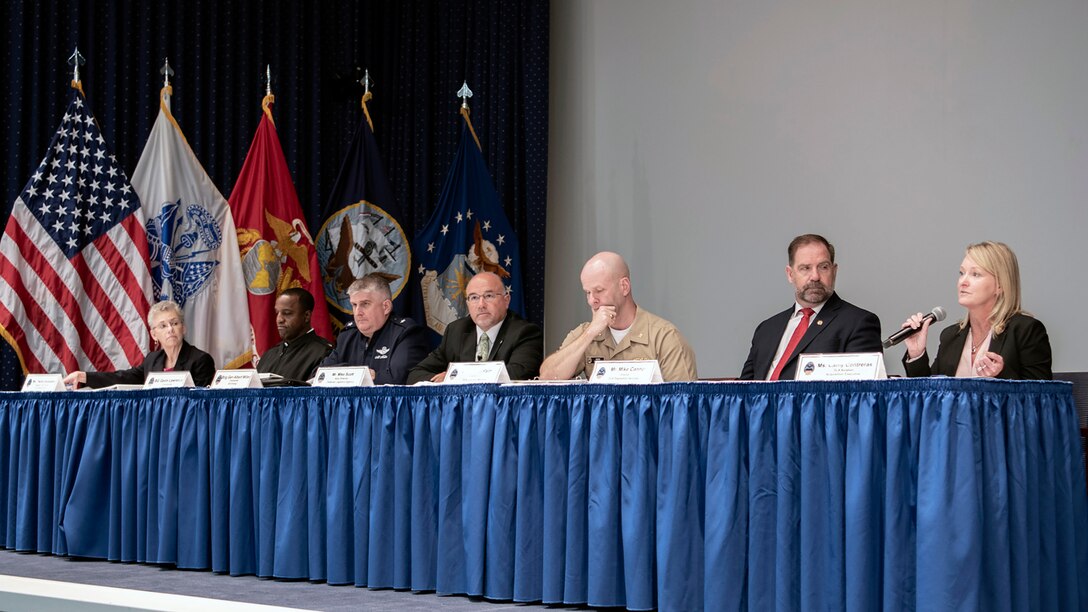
{"x":395,"y":349}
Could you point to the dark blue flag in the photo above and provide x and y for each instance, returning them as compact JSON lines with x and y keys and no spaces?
{"x":467,"y":234}
{"x":362,"y":230}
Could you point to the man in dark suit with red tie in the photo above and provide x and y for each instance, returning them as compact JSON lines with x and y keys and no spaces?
{"x":819,"y":322}
{"x":490,"y":333}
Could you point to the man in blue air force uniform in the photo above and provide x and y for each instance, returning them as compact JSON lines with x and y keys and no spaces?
{"x":389,"y":346}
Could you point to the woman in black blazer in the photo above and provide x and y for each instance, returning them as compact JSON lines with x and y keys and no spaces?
{"x":167,"y":324}
{"x":996,"y":339}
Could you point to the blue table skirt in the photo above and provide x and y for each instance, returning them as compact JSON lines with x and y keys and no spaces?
{"x":903,"y":494}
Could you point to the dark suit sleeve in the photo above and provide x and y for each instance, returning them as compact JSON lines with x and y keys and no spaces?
{"x":918,"y":367}
{"x":527,"y":354}
{"x":754,"y":358}
{"x":1034,"y":356}
{"x":309,"y":367}
{"x":749,"y":370}
{"x":131,"y":376}
{"x":336,"y":355}
{"x":411,"y":349}
{"x":866,"y":336}
{"x":203,"y":369}
{"x":435,"y":362}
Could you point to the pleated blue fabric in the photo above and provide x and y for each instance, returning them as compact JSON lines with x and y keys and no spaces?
{"x":918,"y":494}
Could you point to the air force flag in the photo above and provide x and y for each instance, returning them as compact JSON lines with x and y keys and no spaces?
{"x":467,"y":234}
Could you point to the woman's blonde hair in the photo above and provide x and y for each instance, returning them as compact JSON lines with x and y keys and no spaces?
{"x":998,"y":259}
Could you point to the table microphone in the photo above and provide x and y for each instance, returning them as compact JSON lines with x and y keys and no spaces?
{"x":937,"y":314}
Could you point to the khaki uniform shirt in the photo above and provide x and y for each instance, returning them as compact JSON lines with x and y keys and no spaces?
{"x":650,"y":337}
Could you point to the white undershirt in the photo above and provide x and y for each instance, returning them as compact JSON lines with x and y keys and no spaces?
{"x":619,"y":334}
{"x":791,"y":327}
{"x":492,"y":334}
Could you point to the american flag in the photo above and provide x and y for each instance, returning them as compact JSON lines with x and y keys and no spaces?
{"x":74,"y":274}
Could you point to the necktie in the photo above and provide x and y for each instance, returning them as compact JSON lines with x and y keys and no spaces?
{"x":795,"y":339}
{"x":483,"y":348}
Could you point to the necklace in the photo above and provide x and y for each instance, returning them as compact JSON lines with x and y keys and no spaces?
{"x":974,"y":347}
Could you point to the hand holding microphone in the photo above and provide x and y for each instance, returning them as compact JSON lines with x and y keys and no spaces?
{"x":916,"y":329}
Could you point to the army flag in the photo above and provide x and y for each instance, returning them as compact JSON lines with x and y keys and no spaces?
{"x":276,"y":248}
{"x":362,"y":230}
{"x":192,"y":243}
{"x":74,"y":281}
{"x":467,"y":234}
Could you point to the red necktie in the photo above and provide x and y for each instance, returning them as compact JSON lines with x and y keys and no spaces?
{"x":795,"y":339}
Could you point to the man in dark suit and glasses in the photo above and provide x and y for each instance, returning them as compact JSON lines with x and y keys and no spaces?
{"x":490,"y":333}
{"x":819,"y":322}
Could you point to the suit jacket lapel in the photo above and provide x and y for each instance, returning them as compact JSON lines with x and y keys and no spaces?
{"x":951,"y":356}
{"x":183,"y":357}
{"x":820,"y":321}
{"x":500,"y":337}
{"x":763,"y":367}
{"x":156,"y":361}
{"x":468,"y":345}
{"x":997,"y":341}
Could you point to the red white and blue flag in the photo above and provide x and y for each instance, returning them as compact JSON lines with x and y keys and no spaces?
{"x":74,"y":274}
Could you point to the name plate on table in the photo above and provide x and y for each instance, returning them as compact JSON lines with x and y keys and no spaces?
{"x":635,"y":372}
{"x":168,"y":380}
{"x":460,"y":373}
{"x":43,"y":382}
{"x":841,"y":366}
{"x":237,"y":379}
{"x":343,"y":376}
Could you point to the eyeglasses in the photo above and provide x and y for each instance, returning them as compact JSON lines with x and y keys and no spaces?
{"x":165,"y":325}
{"x":487,"y":297}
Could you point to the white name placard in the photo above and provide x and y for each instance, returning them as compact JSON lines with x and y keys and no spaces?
{"x":43,"y":382}
{"x":343,"y":376}
{"x":841,"y":366}
{"x":460,"y":373}
{"x":237,"y":379}
{"x":168,"y":380}
{"x":635,"y":372}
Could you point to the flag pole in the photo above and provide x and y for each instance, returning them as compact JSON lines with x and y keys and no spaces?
{"x":164,"y":94}
{"x":266,"y":103}
{"x":76,"y":60}
{"x":366,"y":83}
{"x":465,"y":93}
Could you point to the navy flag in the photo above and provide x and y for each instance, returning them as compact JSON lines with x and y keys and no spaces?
{"x":362,"y":230}
{"x":467,"y":234}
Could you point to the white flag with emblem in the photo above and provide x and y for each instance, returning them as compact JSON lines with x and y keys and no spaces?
{"x":192,"y":243}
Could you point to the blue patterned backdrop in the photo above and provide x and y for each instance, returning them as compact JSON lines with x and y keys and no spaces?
{"x":418,"y":54}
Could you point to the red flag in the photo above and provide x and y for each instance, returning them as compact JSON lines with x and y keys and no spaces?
{"x":276,"y":247}
{"x":74,"y":275}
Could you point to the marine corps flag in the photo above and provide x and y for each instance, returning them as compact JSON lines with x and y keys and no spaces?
{"x":276,"y":248}
{"x":362,"y":231}
{"x":467,"y":234}
{"x":193,"y":246}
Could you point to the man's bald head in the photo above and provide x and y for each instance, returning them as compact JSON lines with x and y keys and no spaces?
{"x":606,"y":281}
{"x":611,"y":264}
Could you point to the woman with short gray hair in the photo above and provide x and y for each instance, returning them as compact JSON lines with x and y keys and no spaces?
{"x":167,"y":324}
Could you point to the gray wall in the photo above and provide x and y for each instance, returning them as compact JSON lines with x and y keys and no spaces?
{"x":697,"y":138}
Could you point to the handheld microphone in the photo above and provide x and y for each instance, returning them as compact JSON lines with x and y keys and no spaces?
{"x":937,"y":314}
